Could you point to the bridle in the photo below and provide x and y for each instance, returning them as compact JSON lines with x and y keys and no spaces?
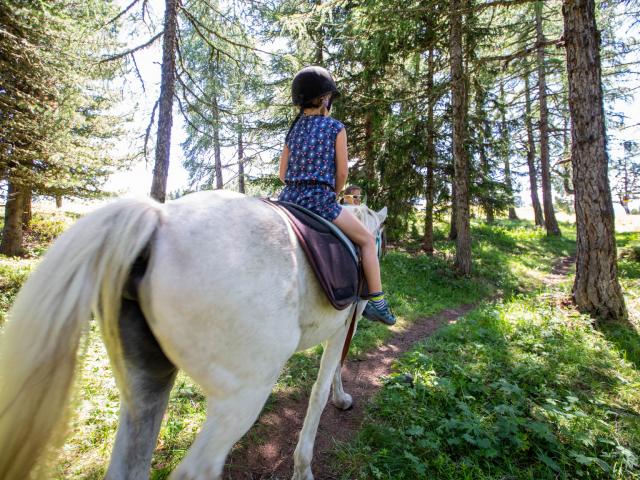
{"x":379,"y":234}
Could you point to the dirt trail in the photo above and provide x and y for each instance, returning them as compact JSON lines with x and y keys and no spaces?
{"x":268,"y":454}
{"x":269,"y":451}
{"x":560,"y":270}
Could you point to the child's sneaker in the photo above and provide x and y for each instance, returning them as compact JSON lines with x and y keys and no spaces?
{"x":373,"y":313}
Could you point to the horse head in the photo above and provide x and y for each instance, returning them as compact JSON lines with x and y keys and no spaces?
{"x":372,"y":220}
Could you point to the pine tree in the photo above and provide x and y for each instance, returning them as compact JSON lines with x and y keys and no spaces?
{"x":56,"y":131}
{"x":596,"y":289}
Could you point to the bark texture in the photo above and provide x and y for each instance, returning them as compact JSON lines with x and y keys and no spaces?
{"x":165,"y":105}
{"x":11,"y":244}
{"x":241,"y":187}
{"x":427,"y":240}
{"x":550,"y":222}
{"x":217,"y":153}
{"x":453,"y":227}
{"x":27,"y":210}
{"x":506,"y":152}
{"x":484,"y":133}
{"x":460,"y":160}
{"x":596,"y":289}
{"x":531,"y":156}
{"x":369,"y":155}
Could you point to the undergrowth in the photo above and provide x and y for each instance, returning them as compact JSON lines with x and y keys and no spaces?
{"x":520,"y":389}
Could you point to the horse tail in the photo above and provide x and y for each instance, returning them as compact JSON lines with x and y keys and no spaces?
{"x":84,"y":271}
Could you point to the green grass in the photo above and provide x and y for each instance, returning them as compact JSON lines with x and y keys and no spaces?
{"x":13,"y":273}
{"x":627,"y":340}
{"x":518,"y":389}
{"x":523,"y":388}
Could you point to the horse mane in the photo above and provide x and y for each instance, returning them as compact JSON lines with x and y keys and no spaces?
{"x":367,"y":216}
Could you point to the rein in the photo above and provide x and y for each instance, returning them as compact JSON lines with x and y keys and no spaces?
{"x":352,"y":325}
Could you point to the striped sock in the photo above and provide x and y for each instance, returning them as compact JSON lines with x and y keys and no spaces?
{"x":377,"y":298}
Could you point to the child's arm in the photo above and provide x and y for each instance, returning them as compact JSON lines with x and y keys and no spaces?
{"x":342,"y":163}
{"x":284,"y":162}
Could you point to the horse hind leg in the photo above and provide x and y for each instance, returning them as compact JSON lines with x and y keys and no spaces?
{"x":229,"y":415}
{"x":150,"y":375}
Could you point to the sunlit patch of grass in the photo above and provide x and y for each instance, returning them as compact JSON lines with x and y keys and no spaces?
{"x":520,"y":389}
{"x":13,"y":273}
{"x":95,"y":415}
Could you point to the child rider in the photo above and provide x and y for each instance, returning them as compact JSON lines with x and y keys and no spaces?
{"x":313,"y":166}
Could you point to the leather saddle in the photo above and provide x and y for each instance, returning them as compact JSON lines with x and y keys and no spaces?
{"x":333,"y":257}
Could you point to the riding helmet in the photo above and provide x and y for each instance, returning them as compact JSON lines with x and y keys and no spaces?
{"x":311,"y":83}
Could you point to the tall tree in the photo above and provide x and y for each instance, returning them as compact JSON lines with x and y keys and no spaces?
{"x":241,"y":182}
{"x":551,"y":224}
{"x":627,"y":175}
{"x":55,"y":131}
{"x":460,"y":159}
{"x":505,"y":152}
{"x":167,"y":93}
{"x":531,"y":154}
{"x":596,"y":289}
{"x":430,"y":151}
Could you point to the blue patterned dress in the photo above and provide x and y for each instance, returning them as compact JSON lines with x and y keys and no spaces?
{"x":311,"y":171}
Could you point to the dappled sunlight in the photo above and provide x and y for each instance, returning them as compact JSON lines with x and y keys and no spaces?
{"x":517,"y":388}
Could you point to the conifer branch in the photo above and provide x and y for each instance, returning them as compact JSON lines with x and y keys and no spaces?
{"x":123,"y":12}
{"x":148,"y":131}
{"x":221,"y":37}
{"x":132,"y":50}
{"x":138,"y":74}
{"x":522,"y":53}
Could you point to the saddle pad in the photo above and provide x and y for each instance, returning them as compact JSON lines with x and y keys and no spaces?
{"x":333,"y":261}
{"x":348,"y":244}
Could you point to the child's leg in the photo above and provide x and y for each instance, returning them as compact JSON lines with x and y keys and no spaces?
{"x":356,"y":231}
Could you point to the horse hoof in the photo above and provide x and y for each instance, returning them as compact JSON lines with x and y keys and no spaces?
{"x":307,"y":475}
{"x":345,"y":403}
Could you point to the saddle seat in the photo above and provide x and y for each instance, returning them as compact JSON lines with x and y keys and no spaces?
{"x":333,"y":257}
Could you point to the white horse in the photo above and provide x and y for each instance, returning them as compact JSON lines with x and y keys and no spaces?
{"x":227,"y":296}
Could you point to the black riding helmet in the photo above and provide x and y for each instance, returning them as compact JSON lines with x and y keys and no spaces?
{"x":311,"y":83}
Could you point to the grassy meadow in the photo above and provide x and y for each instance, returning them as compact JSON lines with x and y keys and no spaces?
{"x":523,"y":387}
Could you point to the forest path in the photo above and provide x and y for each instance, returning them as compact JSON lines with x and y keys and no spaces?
{"x":268,"y":455}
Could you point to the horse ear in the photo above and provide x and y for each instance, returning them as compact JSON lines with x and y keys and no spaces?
{"x":382,"y":214}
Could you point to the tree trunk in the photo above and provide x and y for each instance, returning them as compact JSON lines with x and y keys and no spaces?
{"x":27,"y":212}
{"x":460,"y":160}
{"x":241,"y":187}
{"x":596,"y":289}
{"x":484,"y":133}
{"x":506,"y":152}
{"x":565,"y":168}
{"x":165,"y":112}
{"x":427,"y":240}
{"x":11,"y":244}
{"x":58,"y":201}
{"x":217,"y":154}
{"x":453,"y":227}
{"x":369,"y":156}
{"x":547,"y":198}
{"x":319,"y":44}
{"x":625,"y":205}
{"x":531,"y":156}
